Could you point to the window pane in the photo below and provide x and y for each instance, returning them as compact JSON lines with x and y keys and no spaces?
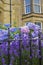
{"x":27,"y":9}
{"x":37,"y":1}
{"x":38,"y":23}
{"x":36,"y":9}
{"x":27,"y":2}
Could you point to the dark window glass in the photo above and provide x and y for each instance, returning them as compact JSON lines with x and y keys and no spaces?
{"x":38,"y":23}
{"x":37,"y":1}
{"x":27,"y":9}
{"x":27,"y":2}
{"x":36,"y":9}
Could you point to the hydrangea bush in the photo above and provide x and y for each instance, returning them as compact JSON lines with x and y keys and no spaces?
{"x":23,"y":45}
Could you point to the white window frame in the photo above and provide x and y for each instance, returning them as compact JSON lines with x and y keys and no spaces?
{"x":39,"y":22}
{"x":37,"y":5}
{"x":28,"y":22}
{"x":25,"y":7}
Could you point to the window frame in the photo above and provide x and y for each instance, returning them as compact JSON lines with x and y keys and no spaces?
{"x":35,"y":4}
{"x":27,"y":22}
{"x":25,"y":5}
{"x":40,"y":23}
{"x":38,"y":10}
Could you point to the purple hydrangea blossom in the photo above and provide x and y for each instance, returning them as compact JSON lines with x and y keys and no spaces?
{"x":25,"y":45}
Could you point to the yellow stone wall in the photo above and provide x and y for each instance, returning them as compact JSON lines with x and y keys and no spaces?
{"x":32,"y":17}
{"x":1,"y":12}
{"x":16,"y":17}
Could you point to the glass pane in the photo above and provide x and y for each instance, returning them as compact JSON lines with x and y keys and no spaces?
{"x":28,"y":9}
{"x":37,"y":1}
{"x":27,"y":2}
{"x":38,"y":23}
{"x":37,"y":9}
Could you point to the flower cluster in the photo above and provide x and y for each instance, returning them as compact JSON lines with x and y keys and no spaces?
{"x":20,"y":44}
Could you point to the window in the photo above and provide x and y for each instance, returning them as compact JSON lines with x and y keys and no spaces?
{"x":37,"y":6}
{"x":27,"y":2}
{"x":27,"y":23}
{"x":27,"y":9}
{"x":39,"y":23}
{"x":37,"y":1}
{"x":27,"y":6}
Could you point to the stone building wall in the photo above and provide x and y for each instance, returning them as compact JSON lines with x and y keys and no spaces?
{"x":16,"y":17}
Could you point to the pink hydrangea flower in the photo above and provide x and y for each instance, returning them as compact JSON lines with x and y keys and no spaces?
{"x":25,"y":29}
